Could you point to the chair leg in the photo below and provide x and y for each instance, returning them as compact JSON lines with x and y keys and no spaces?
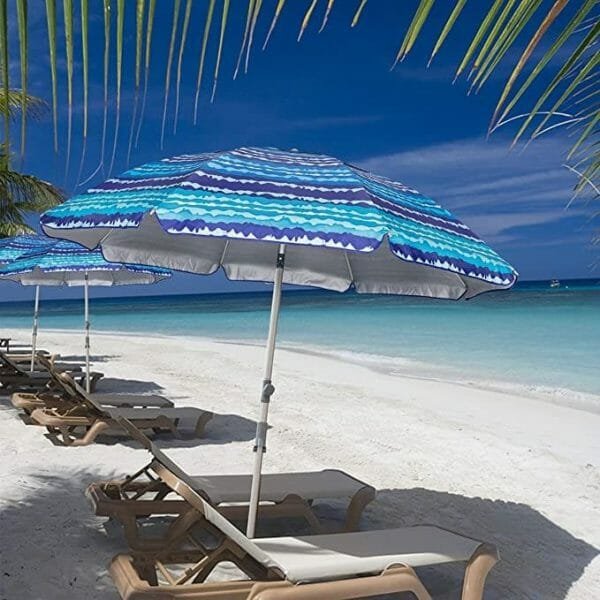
{"x":357,"y":506}
{"x":91,"y":434}
{"x":478,"y":567}
{"x":201,"y":423}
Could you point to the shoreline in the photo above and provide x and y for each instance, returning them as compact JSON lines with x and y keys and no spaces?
{"x":381,"y":364}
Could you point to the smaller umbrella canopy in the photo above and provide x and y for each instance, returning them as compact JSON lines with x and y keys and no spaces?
{"x":58,"y":262}
{"x":12,"y":248}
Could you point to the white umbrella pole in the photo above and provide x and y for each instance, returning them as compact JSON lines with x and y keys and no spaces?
{"x":260,"y":445}
{"x":34,"y":331}
{"x":86,"y":302}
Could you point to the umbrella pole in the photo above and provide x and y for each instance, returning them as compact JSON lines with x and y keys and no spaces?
{"x":34,"y":331}
{"x":86,"y":302}
{"x":260,"y":445}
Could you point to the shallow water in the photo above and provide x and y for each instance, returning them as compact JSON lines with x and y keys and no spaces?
{"x":532,"y":335}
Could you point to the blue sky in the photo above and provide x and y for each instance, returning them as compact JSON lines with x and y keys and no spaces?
{"x":334,"y":93}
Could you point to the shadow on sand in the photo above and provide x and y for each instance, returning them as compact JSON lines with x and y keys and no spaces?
{"x":539,"y":559}
{"x":115,"y":385}
{"x":94,"y":358}
{"x":53,"y":547}
{"x":221,"y":429}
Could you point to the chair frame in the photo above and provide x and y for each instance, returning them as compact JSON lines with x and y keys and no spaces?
{"x":142,"y":575}
{"x":143,"y":494}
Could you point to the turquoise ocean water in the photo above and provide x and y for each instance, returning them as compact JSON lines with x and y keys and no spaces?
{"x":531,"y":336}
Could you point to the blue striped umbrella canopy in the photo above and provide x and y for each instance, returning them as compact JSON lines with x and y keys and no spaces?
{"x":21,"y":245}
{"x":270,"y":215}
{"x":60,"y":262}
{"x":341,"y":225}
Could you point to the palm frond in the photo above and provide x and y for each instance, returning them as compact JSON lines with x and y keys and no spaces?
{"x":29,"y":192}
{"x":358,"y":13}
{"x":176,"y":8}
{"x":51,"y":26}
{"x":11,"y":104}
{"x":257,"y":7}
{"x":220,"y":50}
{"x":560,"y":41}
{"x":307,"y":18}
{"x":120,"y":27}
{"x":207,"y":24}
{"x":5,"y":66}
{"x":186,"y":23}
{"x":276,"y":15}
{"x":149,"y":30}
{"x":414,"y":29}
{"x":139,"y":38}
{"x":20,"y":195}
{"x":68,"y":24}
{"x":326,"y":15}
{"x":22,"y":20}
{"x":458,"y":7}
{"x":84,"y":17}
{"x":249,"y":14}
{"x":106,"y":14}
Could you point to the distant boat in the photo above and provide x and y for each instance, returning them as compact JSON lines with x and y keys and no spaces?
{"x":555,"y":283}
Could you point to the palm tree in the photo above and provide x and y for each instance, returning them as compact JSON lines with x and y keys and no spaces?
{"x":21,"y":194}
{"x":567,"y":31}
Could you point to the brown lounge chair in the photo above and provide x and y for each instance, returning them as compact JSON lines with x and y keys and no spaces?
{"x":320,"y":567}
{"x":63,"y":392}
{"x":16,"y":375}
{"x":131,"y":500}
{"x":82,"y":423}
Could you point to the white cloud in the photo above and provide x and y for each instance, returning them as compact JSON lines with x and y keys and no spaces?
{"x":493,"y":189}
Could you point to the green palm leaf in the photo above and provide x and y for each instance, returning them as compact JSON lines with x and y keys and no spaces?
{"x":139,"y":38}
{"x":220,"y":50}
{"x":24,"y":63}
{"x":120,"y":27}
{"x":149,"y":29}
{"x":207,"y":24}
{"x":68,"y":23}
{"x":22,"y":194}
{"x":168,"y":70}
{"x":51,"y":26}
{"x":5,"y":66}
{"x":85,"y":74}
{"x":186,"y":23}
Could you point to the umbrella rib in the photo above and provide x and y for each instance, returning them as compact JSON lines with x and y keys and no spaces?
{"x":222,"y":260}
{"x":349,"y":268}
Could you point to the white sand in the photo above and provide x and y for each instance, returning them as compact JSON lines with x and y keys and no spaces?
{"x":505,"y":468}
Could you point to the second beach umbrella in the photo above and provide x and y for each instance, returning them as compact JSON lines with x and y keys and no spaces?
{"x":67,"y":263}
{"x":286,"y":217}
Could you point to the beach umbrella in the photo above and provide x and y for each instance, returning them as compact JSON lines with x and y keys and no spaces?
{"x":12,"y":248}
{"x":67,"y":263}
{"x":282,"y":217}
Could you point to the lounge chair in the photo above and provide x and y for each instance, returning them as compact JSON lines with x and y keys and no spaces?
{"x":17,"y":375}
{"x":333,"y":567}
{"x":63,"y":392}
{"x":286,"y":495}
{"x":82,"y":423}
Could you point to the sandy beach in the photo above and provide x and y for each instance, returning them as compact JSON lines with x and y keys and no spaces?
{"x":503,"y":467}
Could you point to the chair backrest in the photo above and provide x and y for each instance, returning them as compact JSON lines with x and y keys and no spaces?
{"x":11,"y":363}
{"x":72,"y":388}
{"x":185,"y":487}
